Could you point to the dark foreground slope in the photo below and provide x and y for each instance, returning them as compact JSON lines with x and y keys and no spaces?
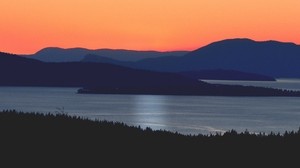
{"x":56,"y":139}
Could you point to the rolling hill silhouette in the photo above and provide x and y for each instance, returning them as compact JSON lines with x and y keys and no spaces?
{"x":53,"y":54}
{"x":112,"y":79}
{"x":269,"y":58}
{"x":19,"y":71}
{"x":217,"y":74}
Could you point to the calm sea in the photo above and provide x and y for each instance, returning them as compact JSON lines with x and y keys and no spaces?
{"x":184,"y":114}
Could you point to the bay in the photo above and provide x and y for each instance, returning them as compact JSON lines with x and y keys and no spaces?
{"x":184,"y":114}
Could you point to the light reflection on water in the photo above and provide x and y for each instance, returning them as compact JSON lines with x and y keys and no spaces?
{"x":185,"y":114}
{"x":290,"y":84}
{"x":150,"y":109}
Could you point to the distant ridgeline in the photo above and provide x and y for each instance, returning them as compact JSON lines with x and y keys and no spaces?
{"x":112,"y":79}
{"x":269,"y":58}
{"x":77,"y":54}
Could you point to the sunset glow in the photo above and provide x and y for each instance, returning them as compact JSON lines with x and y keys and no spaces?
{"x":30,"y":25}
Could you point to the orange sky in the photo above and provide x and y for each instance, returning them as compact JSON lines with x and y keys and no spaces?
{"x":29,"y":25}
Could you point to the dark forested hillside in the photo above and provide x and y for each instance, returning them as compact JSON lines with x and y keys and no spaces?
{"x":41,"y":139}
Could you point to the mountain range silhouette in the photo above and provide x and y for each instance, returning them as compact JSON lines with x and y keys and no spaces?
{"x":270,"y":58}
{"x":104,"y":78}
{"x":55,"y":54}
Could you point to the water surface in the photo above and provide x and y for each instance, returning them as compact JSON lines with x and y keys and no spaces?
{"x":289,"y":84}
{"x":184,"y":114}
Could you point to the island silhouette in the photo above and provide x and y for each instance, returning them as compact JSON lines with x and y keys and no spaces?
{"x":102,"y":78}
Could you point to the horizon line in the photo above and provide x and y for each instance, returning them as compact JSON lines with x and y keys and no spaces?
{"x":150,"y":50}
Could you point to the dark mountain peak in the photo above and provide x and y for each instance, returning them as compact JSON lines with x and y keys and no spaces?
{"x":53,"y":49}
{"x":271,"y":58}
{"x":56,"y":54}
{"x":49,"y":49}
{"x":236,"y":40}
{"x":245,"y":42}
{"x":232,"y":41}
{"x":233,"y":45}
{"x":249,"y":41}
{"x":243,"y":46}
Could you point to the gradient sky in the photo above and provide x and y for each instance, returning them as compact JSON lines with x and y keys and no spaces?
{"x":29,"y":25}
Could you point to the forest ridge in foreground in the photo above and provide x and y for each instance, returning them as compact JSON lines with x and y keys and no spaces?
{"x":53,"y":138}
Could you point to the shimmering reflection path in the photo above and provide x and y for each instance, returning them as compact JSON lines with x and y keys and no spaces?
{"x":185,"y":114}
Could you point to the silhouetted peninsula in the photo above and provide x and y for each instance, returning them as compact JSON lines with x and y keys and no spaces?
{"x":20,"y":71}
{"x":112,"y":79}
